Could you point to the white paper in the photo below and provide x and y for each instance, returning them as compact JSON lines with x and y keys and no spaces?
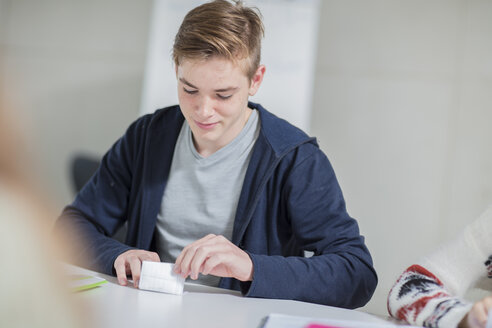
{"x":489,"y":321}
{"x":159,"y":277}
{"x":277,"y":320}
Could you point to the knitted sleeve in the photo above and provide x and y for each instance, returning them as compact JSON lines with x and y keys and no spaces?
{"x":419,"y":298}
{"x":430,"y":292}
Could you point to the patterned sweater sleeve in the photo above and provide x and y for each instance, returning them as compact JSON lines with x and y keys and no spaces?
{"x":430,"y":293}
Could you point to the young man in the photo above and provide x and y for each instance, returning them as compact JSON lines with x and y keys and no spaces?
{"x":226,"y":190}
{"x":430,"y":293}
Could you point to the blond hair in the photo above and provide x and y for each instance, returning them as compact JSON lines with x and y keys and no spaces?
{"x":224,"y":29}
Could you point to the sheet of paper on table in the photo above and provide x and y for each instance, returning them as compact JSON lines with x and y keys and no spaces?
{"x":276,"y":320}
{"x":159,"y":277}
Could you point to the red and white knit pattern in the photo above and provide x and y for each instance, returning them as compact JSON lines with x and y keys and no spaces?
{"x":431,"y":293}
{"x":419,"y":298}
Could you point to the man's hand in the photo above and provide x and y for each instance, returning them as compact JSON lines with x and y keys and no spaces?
{"x":214,"y":255}
{"x":478,"y":315}
{"x":130,"y":262}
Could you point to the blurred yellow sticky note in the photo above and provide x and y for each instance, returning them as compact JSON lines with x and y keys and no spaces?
{"x":79,"y":282}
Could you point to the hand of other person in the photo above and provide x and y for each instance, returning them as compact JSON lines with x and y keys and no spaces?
{"x":130,"y":262}
{"x":214,"y":255}
{"x":478,"y":315}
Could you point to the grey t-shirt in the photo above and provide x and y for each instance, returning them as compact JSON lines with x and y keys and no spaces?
{"x":202,"y":193}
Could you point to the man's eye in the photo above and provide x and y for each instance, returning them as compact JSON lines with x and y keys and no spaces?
{"x":191,"y":92}
{"x":224,"y":97}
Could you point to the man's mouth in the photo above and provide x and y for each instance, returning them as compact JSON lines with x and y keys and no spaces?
{"x":206,"y":126}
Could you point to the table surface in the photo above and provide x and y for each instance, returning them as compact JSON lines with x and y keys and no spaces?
{"x":112,"y":305}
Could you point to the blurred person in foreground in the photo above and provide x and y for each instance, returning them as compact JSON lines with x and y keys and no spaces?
{"x":31,"y":284}
{"x":431,"y":292}
{"x":230,"y":193}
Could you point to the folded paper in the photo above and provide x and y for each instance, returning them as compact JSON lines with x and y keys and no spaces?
{"x":159,"y":277}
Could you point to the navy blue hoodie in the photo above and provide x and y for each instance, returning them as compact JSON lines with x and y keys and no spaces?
{"x":290,"y":202}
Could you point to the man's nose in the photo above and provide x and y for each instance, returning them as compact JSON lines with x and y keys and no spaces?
{"x":205,"y":107}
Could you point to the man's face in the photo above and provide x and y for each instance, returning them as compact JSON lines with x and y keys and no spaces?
{"x":213,"y":96}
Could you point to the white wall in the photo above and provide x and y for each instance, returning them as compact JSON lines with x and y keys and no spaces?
{"x":403,"y":108}
{"x":75,"y":70}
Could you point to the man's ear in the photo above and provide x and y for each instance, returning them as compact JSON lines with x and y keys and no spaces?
{"x":256,"y":80}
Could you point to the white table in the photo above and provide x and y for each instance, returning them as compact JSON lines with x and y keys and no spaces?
{"x":112,"y":305}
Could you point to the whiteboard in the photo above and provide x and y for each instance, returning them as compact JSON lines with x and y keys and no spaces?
{"x":288,"y":52}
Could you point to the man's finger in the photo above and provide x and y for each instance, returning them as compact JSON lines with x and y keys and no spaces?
{"x":152,"y":256}
{"x":211,"y":263}
{"x":135,"y":266}
{"x":182,"y":264}
{"x":120,"y":269}
{"x":198,"y":260}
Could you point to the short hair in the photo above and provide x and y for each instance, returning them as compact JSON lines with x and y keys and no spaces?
{"x":224,"y":29}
